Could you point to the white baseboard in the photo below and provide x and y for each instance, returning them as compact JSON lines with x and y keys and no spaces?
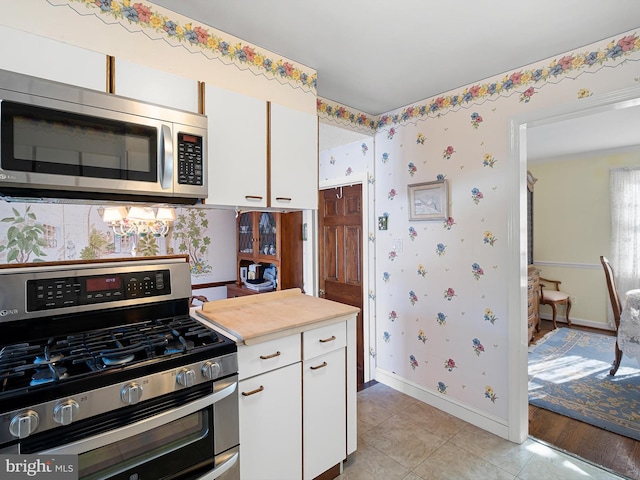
{"x":578,"y":321}
{"x":490,"y":423}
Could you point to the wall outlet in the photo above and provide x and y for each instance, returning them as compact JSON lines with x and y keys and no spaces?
{"x":573,"y":300}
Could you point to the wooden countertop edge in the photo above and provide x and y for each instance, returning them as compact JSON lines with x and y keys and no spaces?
{"x":223,"y":307}
{"x":283,"y":332}
{"x":250,"y":299}
{"x":294,"y":330}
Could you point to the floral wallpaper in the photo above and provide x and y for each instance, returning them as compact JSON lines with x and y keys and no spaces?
{"x":32,"y":232}
{"x":440,"y":287}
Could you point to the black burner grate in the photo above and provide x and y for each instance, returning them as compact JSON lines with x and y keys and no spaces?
{"x":56,"y":359}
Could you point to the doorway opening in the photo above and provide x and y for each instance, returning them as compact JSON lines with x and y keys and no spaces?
{"x":524,"y":133}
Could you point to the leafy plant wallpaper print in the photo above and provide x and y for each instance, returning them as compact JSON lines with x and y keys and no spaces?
{"x":25,"y":240}
{"x":52,"y":232}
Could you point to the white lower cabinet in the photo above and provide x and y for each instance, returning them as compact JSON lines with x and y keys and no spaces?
{"x":271,"y":425}
{"x":297,"y":403}
{"x":324,"y":412}
{"x":270,"y":409}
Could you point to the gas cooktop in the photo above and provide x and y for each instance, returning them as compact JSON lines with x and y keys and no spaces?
{"x":65,"y":357}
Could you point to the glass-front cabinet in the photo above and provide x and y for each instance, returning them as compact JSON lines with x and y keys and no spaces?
{"x":257,"y":235}
{"x":269,"y":250}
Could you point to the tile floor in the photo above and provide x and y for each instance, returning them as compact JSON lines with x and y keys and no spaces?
{"x":402,"y":438}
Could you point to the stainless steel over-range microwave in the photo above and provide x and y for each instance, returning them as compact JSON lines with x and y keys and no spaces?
{"x":58,"y":140}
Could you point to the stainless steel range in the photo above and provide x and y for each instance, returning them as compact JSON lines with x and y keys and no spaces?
{"x":103,"y":360}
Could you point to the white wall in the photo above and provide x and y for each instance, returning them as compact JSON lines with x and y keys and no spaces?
{"x":572,"y":220}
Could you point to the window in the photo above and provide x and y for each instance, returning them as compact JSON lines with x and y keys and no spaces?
{"x":625,"y":227}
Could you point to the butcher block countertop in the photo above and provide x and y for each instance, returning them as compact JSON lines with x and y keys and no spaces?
{"x":258,"y":318}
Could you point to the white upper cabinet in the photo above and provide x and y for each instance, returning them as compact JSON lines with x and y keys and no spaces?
{"x":45,"y":58}
{"x":155,"y":86}
{"x":250,"y":169}
{"x":237,"y":148}
{"x":294,"y":158}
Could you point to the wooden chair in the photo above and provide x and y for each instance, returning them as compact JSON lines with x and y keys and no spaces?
{"x":554,"y":298}
{"x":616,"y":306}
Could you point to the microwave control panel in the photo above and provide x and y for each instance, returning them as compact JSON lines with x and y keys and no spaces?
{"x":190,"y":161}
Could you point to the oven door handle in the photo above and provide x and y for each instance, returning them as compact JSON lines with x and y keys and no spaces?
{"x":142,"y":426}
{"x":223,"y":467}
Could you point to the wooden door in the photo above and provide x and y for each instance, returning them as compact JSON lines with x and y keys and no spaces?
{"x":340,"y":252}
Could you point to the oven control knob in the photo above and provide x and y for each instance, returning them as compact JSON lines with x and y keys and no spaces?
{"x":24,"y":424}
{"x":131,"y":393}
{"x":64,"y":412}
{"x":186,"y":377}
{"x":210,"y":370}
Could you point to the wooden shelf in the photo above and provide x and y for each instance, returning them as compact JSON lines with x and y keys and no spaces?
{"x":269,"y":238}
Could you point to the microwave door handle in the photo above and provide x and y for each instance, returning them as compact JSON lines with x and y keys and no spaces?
{"x":166,"y":158}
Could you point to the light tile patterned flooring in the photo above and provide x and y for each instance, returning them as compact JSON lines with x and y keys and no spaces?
{"x":401,"y":438}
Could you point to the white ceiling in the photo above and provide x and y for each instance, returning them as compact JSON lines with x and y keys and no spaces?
{"x":590,"y":134}
{"x":376,"y":55}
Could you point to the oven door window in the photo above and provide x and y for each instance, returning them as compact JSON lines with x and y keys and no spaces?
{"x":162,"y":453}
{"x":44,"y":140}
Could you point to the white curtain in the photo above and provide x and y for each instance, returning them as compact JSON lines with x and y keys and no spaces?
{"x":625,"y":228}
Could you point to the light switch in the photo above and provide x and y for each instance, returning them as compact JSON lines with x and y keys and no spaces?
{"x":397,"y":245}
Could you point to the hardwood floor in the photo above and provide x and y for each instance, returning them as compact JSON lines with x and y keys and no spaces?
{"x":615,"y":452}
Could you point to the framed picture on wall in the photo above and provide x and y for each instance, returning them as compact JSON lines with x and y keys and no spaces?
{"x":428,"y":201}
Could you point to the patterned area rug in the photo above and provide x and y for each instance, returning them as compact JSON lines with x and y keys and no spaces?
{"x":569,"y":375}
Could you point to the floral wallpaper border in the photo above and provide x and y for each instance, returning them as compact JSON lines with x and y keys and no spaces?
{"x":199,"y":38}
{"x":523,"y":81}
{"x":342,"y":114}
{"x":207,"y":41}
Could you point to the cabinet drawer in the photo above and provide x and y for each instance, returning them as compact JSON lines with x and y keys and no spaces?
{"x":266,"y":356}
{"x":324,"y":339}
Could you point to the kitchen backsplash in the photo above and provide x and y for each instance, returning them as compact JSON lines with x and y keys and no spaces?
{"x":33,"y":232}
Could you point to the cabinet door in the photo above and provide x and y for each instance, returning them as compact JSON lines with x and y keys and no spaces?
{"x":267,"y":236}
{"x":294,"y":158}
{"x":246,"y":238}
{"x":324,"y":412}
{"x":45,"y":58}
{"x":271,"y":425}
{"x":237,"y":148}
{"x":155,"y":86}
